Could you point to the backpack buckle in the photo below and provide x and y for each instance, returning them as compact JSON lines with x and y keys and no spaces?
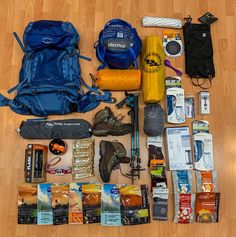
{"x":71,"y":53}
{"x":94,"y":79}
{"x":188,"y":19}
{"x":113,"y":100}
{"x":27,"y":56}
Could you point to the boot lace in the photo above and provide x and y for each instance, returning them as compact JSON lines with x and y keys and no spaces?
{"x":117,"y":118}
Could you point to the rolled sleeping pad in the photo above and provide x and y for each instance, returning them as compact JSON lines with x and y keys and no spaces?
{"x":152,"y":57}
{"x":118,"y":80}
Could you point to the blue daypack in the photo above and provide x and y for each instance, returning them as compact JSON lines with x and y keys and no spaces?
{"x":50,"y":80}
{"x":118,"y":45}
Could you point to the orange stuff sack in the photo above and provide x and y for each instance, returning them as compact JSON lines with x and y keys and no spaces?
{"x":118,"y":80}
{"x":153,"y":70}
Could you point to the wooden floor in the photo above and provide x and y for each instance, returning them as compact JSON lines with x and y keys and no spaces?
{"x":89,"y":17}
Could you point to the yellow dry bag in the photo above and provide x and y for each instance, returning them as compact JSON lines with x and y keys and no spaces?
{"x":153,"y":70}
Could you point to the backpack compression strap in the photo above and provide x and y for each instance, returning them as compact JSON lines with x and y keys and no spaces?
{"x":4,"y":101}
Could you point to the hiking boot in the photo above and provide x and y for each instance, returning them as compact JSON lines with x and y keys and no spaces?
{"x":112,"y":154}
{"x":105,"y":123}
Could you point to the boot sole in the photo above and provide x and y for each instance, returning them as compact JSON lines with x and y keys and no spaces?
{"x":101,"y":148}
{"x":104,"y":133}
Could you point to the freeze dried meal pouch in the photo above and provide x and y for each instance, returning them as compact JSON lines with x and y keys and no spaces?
{"x":182,"y":180}
{"x":184,"y":208}
{"x":45,"y":216}
{"x":27,"y":204}
{"x":60,"y":203}
{"x":160,"y":204}
{"x":135,"y":206}
{"x":110,"y":210}
{"x":207,"y":207}
{"x":75,"y":204}
{"x":91,"y":199}
{"x":206,"y":181}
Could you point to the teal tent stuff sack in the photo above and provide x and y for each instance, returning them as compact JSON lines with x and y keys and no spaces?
{"x":118,"y":45}
{"x":50,"y":80}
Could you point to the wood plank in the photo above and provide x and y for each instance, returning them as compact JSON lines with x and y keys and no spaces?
{"x":89,"y":17}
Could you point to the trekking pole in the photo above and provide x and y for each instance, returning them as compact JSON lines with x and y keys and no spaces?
{"x":130,"y":103}
{"x":137,"y":144}
{"x":136,"y":123}
{"x":131,"y":100}
{"x":132,"y":172}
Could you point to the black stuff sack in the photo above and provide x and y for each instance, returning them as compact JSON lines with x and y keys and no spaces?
{"x":199,"y":64}
{"x":55,"y":129}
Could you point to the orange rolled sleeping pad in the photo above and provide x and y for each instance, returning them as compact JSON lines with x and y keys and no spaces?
{"x":118,"y":80}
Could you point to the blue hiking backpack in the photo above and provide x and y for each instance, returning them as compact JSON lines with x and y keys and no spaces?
{"x":49,"y":80}
{"x":118,"y":45}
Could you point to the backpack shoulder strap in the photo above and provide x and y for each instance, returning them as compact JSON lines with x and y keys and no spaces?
{"x":16,"y":107}
{"x":92,"y":98}
{"x":4,"y":101}
{"x":90,"y":101}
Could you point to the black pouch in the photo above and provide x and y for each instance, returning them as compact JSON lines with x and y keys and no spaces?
{"x":55,"y":129}
{"x":199,"y":62}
